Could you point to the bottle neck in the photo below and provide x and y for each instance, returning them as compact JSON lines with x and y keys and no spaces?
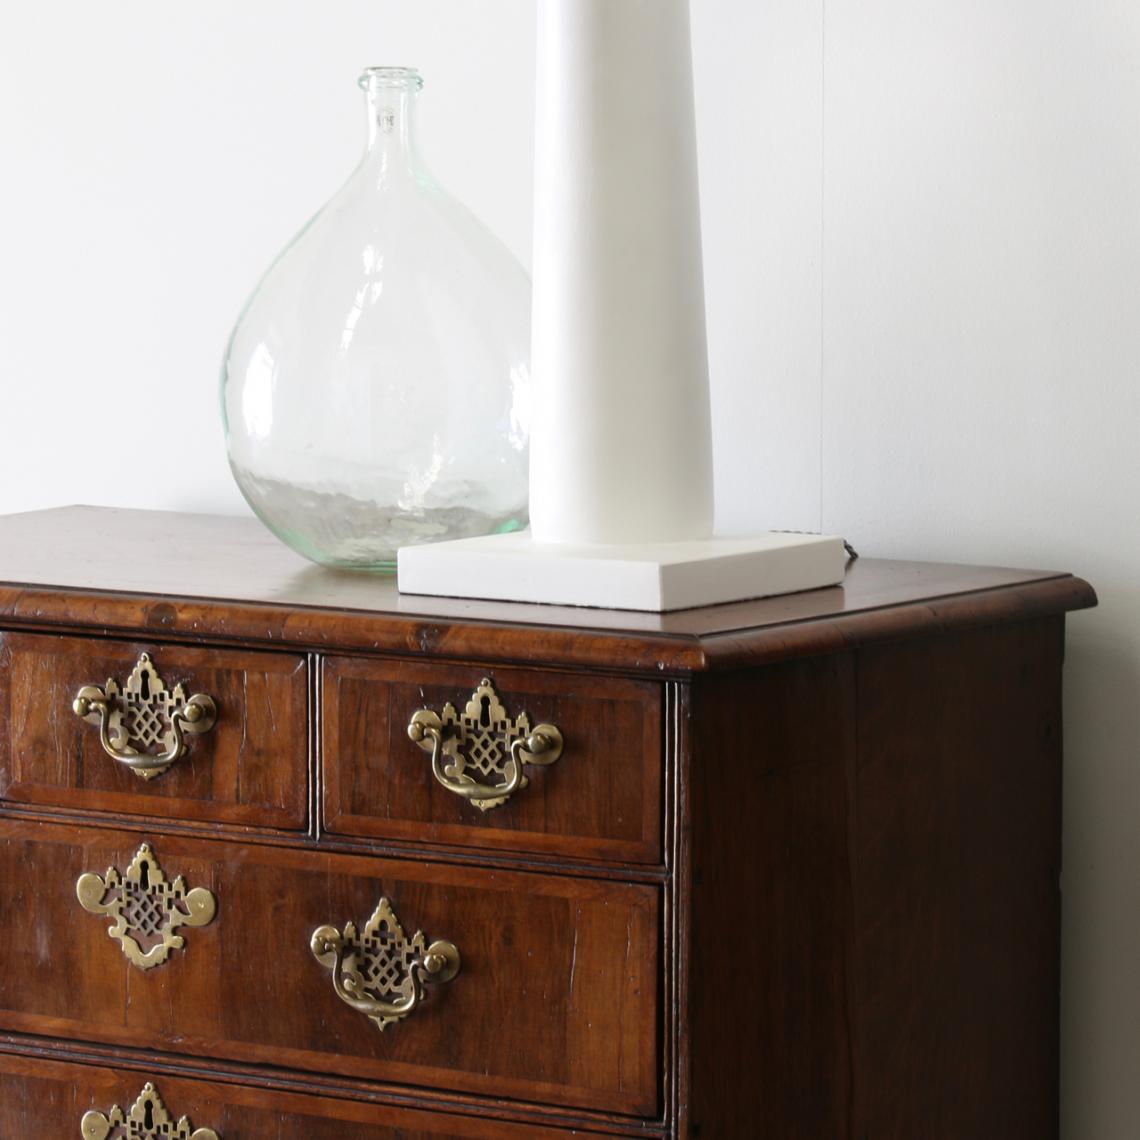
{"x":390,"y":99}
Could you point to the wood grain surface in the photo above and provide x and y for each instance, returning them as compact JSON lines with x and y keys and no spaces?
{"x":600,"y":800}
{"x":251,"y":768}
{"x":557,"y":1000}
{"x":956,"y":865}
{"x":200,"y":576}
{"x":50,"y":1098}
{"x":875,"y":924}
{"x":769,"y":905}
{"x":795,"y":876}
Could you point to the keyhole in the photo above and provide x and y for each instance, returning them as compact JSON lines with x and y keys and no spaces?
{"x":144,"y":877}
{"x":144,"y":688}
{"x":485,"y":712}
{"x":148,"y":1120}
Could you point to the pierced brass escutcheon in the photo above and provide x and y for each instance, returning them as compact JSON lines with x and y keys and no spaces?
{"x":146,"y":908}
{"x":379,"y":971}
{"x":486,"y":740}
{"x":142,"y":724}
{"x":147,"y":1120}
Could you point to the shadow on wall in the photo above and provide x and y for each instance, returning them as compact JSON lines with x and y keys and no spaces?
{"x":1101,"y":937}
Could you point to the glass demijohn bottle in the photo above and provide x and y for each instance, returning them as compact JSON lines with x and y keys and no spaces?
{"x":375,"y":389}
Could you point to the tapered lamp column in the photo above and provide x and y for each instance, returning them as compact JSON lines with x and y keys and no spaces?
{"x":621,"y":487}
{"x":621,"y":445}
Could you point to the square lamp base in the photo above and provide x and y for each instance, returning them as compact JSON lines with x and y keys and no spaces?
{"x":651,"y":577}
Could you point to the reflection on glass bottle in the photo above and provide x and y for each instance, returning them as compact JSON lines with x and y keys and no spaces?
{"x":375,"y":389}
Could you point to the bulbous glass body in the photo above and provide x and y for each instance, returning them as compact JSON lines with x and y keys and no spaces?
{"x":375,"y":389}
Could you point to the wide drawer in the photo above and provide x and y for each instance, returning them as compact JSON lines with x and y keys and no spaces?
{"x":556,"y":999}
{"x":600,"y":799}
{"x":51,"y":1099}
{"x":250,"y":768}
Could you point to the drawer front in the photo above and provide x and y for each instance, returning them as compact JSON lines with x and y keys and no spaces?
{"x":51,"y":1098}
{"x":600,"y":799}
{"x":556,"y":1000}
{"x":249,"y":769}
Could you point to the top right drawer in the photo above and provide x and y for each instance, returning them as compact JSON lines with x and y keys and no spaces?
{"x":503,"y":759}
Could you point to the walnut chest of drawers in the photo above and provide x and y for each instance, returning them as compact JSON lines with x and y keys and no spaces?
{"x":284,"y":854}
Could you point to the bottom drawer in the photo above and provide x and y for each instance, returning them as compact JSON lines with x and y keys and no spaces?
{"x":61,"y":1100}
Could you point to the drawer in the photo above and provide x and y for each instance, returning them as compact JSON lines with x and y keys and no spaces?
{"x":51,"y":1098}
{"x":250,"y":768}
{"x":600,"y":799}
{"x":556,"y":1000}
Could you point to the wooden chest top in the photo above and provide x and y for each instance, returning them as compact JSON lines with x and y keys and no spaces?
{"x":183,"y":575}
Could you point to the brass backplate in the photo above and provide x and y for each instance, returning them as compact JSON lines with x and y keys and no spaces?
{"x":146,"y":907}
{"x":148,"y":1119}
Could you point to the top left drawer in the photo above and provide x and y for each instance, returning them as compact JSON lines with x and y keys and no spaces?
{"x":250,"y":768}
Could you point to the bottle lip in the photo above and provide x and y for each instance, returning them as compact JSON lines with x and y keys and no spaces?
{"x":399,"y":78}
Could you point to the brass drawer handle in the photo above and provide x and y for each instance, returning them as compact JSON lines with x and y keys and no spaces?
{"x":142,"y":724}
{"x":147,"y":909}
{"x":147,"y":1120}
{"x":483,"y":738}
{"x":379,"y":971}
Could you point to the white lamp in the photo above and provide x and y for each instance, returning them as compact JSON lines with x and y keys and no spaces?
{"x":621,"y":495}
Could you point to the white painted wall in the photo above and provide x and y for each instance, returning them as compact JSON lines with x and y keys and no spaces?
{"x":981,"y":392}
{"x":922,"y":228}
